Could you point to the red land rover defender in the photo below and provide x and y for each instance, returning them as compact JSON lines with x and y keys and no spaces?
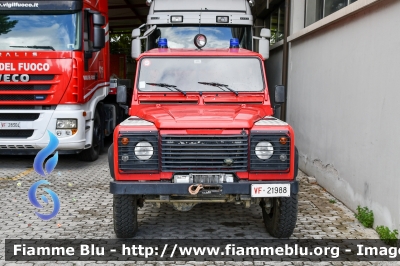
{"x":201,"y":130}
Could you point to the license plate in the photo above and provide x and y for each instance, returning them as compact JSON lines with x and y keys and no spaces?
{"x":15,"y":125}
{"x":270,"y":190}
{"x":10,"y":124}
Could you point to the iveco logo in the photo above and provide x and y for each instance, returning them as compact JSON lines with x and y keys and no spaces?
{"x":228,"y":161}
{"x":14,"y":78}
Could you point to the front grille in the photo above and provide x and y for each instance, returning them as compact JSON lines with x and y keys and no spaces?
{"x":25,"y":87}
{"x":16,"y":147}
{"x":22,"y":97}
{"x":127,"y":152}
{"x":36,"y":77}
{"x":27,"y":107}
{"x":204,"y":153}
{"x":18,"y":117}
{"x":16,"y":133}
{"x":275,"y":163}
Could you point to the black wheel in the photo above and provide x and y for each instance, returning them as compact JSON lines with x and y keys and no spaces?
{"x":94,"y":151}
{"x":280,"y":215}
{"x":125,"y":215}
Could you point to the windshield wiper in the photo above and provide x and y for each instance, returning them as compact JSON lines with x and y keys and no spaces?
{"x":168,"y":86}
{"x":36,"y":47}
{"x":219,"y":85}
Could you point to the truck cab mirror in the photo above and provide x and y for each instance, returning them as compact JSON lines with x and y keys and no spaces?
{"x":99,"y":34}
{"x":263,"y":48}
{"x":98,"y":19}
{"x":136,"y":48}
{"x":135,"y":33}
{"x":279,"y":95}
{"x":265,"y":33}
{"x":263,"y":42}
{"x":122,"y":94}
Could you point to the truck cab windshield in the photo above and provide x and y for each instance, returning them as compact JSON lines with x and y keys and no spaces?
{"x":40,"y":32}
{"x":201,"y":74}
{"x":217,"y":36}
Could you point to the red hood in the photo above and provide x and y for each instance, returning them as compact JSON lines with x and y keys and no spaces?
{"x":167,"y":117}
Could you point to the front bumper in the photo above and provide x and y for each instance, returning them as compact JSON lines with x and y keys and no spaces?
{"x":47,"y":122}
{"x":166,"y":188}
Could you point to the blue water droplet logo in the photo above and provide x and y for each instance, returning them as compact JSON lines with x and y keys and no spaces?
{"x":35,"y":202}
{"x":44,"y":153}
{"x":49,"y":166}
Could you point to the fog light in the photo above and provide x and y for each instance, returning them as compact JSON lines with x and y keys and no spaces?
{"x":125,"y":158}
{"x":200,"y":40}
{"x":223,"y":19}
{"x":283,"y":157}
{"x":176,"y":18}
{"x":58,"y":132}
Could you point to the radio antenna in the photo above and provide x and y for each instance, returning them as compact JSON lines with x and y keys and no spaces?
{"x":200,"y":19}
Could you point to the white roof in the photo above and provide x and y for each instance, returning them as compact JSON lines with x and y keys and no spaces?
{"x":209,"y":5}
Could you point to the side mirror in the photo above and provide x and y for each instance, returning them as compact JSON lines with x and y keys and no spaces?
{"x":122,"y":94}
{"x":265,"y":33}
{"x":136,"y":33}
{"x":263,"y":48}
{"x":263,"y":42}
{"x":279,"y":95}
{"x":136,"y":48}
{"x":99,"y":19}
{"x":99,"y":38}
{"x":99,"y":34}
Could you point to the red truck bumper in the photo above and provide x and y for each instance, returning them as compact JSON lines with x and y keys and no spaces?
{"x":167,"y":188}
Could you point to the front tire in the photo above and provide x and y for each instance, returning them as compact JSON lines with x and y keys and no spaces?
{"x":125,"y":215}
{"x":280,"y":218}
{"x":92,"y":154}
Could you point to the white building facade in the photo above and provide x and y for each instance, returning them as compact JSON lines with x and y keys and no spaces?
{"x":342,"y":72}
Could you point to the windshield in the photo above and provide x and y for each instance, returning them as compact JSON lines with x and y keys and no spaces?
{"x":40,"y":32}
{"x":238,"y":74}
{"x":217,"y":36}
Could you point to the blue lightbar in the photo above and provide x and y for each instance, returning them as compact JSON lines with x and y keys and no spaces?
{"x":234,"y":43}
{"x":162,"y":43}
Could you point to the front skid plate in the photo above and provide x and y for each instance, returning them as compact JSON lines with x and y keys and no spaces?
{"x":165,"y":188}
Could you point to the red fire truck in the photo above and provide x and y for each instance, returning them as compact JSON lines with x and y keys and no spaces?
{"x":54,"y":76}
{"x":201,"y":130}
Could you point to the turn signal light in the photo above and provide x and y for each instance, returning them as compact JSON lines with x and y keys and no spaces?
{"x":283,"y":140}
{"x":124,"y":141}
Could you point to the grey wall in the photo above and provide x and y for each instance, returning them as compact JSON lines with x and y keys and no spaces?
{"x":273,"y":67}
{"x":344,"y":104}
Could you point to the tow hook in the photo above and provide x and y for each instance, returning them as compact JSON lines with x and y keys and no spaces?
{"x":194,"y":189}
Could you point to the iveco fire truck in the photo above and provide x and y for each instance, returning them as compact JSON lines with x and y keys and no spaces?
{"x":54,"y":76}
{"x":201,"y":131}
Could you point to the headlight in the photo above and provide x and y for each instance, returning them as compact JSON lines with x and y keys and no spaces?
{"x":144,"y":150}
{"x":264,"y":150}
{"x":66,"y":124}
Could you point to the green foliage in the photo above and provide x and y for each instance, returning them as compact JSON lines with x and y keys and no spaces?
{"x":387,"y":236}
{"x":120,"y":43}
{"x":332,"y":201}
{"x":365,"y":216}
{"x":6,"y":25}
